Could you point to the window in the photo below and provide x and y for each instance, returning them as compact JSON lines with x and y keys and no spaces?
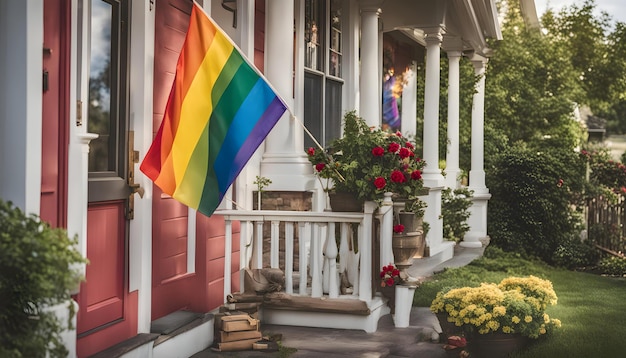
{"x":106,"y":113}
{"x":322,"y":77}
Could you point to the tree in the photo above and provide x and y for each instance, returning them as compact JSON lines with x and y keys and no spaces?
{"x":598,"y":55}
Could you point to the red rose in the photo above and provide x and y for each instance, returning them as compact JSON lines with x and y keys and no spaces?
{"x":395,"y":272}
{"x":416,"y":175}
{"x":399,"y":134}
{"x":398,"y":229}
{"x":397,"y":177}
{"x":320,"y":166}
{"x":311,"y":151}
{"x":389,"y":281}
{"x":393,"y":147}
{"x":404,"y":153}
{"x":378,"y":151}
{"x":409,"y":145}
{"x":380,"y":182}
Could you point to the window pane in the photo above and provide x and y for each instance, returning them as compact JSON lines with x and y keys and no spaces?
{"x":335,"y":39}
{"x":313,"y":34}
{"x":332,"y":128}
{"x":100,"y":111}
{"x":313,"y":108}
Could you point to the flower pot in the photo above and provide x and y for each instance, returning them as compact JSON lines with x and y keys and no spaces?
{"x":447,"y":328}
{"x":495,"y":344}
{"x":345,"y":202}
{"x":411,"y":222}
{"x":405,"y":247}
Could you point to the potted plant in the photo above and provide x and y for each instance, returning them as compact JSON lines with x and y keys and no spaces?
{"x":369,"y":162}
{"x":502,"y":316}
{"x":39,"y":271}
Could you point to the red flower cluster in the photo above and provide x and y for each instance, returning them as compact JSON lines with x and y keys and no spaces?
{"x":398,"y":229}
{"x":389,"y":275}
{"x":369,"y":162}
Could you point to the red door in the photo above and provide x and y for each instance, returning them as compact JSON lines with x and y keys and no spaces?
{"x":107,"y":311}
{"x":55,"y":80}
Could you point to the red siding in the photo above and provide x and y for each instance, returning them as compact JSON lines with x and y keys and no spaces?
{"x":173,"y":287}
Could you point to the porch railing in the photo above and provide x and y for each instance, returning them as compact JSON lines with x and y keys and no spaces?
{"x":322,"y":256}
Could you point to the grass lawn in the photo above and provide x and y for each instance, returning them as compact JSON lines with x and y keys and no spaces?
{"x":591,"y":308}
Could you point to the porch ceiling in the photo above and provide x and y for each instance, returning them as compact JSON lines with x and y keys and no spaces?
{"x":470,"y":22}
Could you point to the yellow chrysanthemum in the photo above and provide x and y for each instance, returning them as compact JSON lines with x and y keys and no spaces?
{"x":528,"y":319}
{"x":515,"y":319}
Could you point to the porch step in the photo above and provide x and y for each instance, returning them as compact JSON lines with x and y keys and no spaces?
{"x":173,"y":321}
{"x":127,"y":346}
{"x":182,"y":332}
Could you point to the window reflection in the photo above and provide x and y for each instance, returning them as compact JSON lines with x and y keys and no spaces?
{"x":99,"y":112}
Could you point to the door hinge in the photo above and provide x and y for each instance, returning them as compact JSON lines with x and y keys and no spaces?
{"x":79,"y":113}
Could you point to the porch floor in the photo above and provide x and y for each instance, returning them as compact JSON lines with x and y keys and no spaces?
{"x":387,"y":341}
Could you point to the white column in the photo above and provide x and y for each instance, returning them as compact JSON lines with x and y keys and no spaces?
{"x":21,"y":40}
{"x":477,"y":172}
{"x":432,"y":174}
{"x":478,"y":210}
{"x":452,"y":155}
{"x":370,"y":68}
{"x":284,"y":161}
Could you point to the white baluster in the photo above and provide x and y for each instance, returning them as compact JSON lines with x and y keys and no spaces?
{"x":331,"y":259}
{"x":257,"y":259}
{"x":275,"y":244}
{"x":304,"y":238}
{"x":316,"y":254}
{"x":289,"y":257}
{"x":365,"y":248}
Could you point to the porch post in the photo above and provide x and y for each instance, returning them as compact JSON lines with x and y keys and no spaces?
{"x":433,"y":179}
{"x":452,"y":154}
{"x":478,"y":210}
{"x":284,"y":161}
{"x":21,"y":102}
{"x":370,"y":64}
{"x":432,"y":174}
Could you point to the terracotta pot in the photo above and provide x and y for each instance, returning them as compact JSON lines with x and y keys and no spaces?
{"x":345,"y":202}
{"x":496,"y":345}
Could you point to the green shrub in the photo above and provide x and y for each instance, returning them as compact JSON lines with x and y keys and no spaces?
{"x":455,"y":206}
{"x":35,"y":267}
{"x":614,"y":266}
{"x":533,"y":196}
{"x":575,"y":253}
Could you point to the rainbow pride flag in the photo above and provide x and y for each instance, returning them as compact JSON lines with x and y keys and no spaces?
{"x":219,"y":111}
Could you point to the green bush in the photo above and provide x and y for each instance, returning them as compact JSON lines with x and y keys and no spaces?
{"x":614,"y":266}
{"x":455,"y":206}
{"x":533,"y":196}
{"x":35,"y":267}
{"x":575,"y":253}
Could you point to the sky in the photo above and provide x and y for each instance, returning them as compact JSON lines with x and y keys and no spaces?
{"x":615,"y":8}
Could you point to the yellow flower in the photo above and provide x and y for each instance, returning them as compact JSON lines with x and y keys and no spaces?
{"x":515,"y":319}
{"x":507,"y":329}
{"x":528,"y":319}
{"x":499,"y":311}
